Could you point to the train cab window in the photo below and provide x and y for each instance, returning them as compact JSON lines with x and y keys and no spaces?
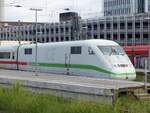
{"x":90,"y":51}
{"x":4,"y":55}
{"x":111,"y":50}
{"x":76,"y":50}
{"x":28,"y":51}
{"x":106,"y":50}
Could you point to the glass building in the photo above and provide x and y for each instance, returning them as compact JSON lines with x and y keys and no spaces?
{"x":126,"y":30}
{"x":124,"y":7}
{"x":148,"y":5}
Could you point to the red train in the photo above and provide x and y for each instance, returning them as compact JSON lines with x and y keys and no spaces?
{"x":137,"y":54}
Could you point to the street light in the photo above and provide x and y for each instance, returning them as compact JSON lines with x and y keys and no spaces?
{"x":19,"y":24}
{"x":146,"y":75}
{"x":36,"y":47}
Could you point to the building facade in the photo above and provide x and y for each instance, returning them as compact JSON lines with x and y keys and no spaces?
{"x":126,"y":30}
{"x":47,"y":32}
{"x":124,"y":7}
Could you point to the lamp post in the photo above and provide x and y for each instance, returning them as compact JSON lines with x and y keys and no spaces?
{"x":19,"y":24}
{"x":146,"y":75}
{"x":36,"y":45}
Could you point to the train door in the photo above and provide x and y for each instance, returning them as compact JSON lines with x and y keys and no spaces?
{"x":67,"y":60}
{"x":13,"y":59}
{"x":17,"y":57}
{"x":5,"y":59}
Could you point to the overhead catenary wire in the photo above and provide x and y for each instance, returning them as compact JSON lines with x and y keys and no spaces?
{"x":74,"y":5}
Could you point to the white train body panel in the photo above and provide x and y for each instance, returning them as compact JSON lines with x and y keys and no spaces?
{"x":83,"y":58}
{"x":9,"y":60}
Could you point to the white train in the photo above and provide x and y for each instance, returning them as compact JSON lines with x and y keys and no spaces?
{"x":96,"y":58}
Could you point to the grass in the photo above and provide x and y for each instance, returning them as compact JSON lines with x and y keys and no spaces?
{"x":16,"y":100}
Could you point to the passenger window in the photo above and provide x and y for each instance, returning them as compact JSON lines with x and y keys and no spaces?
{"x":4,"y":55}
{"x":76,"y":50}
{"x":28,"y":51}
{"x":90,"y":51}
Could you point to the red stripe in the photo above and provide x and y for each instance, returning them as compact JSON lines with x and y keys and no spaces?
{"x":13,"y":62}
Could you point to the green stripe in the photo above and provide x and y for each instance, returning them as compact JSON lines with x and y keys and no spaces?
{"x":86,"y":67}
{"x":89,"y":67}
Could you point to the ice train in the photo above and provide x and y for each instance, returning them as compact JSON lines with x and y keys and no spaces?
{"x":95,"y":58}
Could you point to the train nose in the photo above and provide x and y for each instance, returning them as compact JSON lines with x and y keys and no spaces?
{"x":130,"y":72}
{"x":124,"y":72}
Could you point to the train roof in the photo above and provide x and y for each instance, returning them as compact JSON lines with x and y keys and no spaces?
{"x":81,"y":42}
{"x":8,"y":48}
{"x":96,"y":42}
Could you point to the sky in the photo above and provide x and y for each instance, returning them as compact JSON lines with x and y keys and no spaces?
{"x":50,"y":9}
